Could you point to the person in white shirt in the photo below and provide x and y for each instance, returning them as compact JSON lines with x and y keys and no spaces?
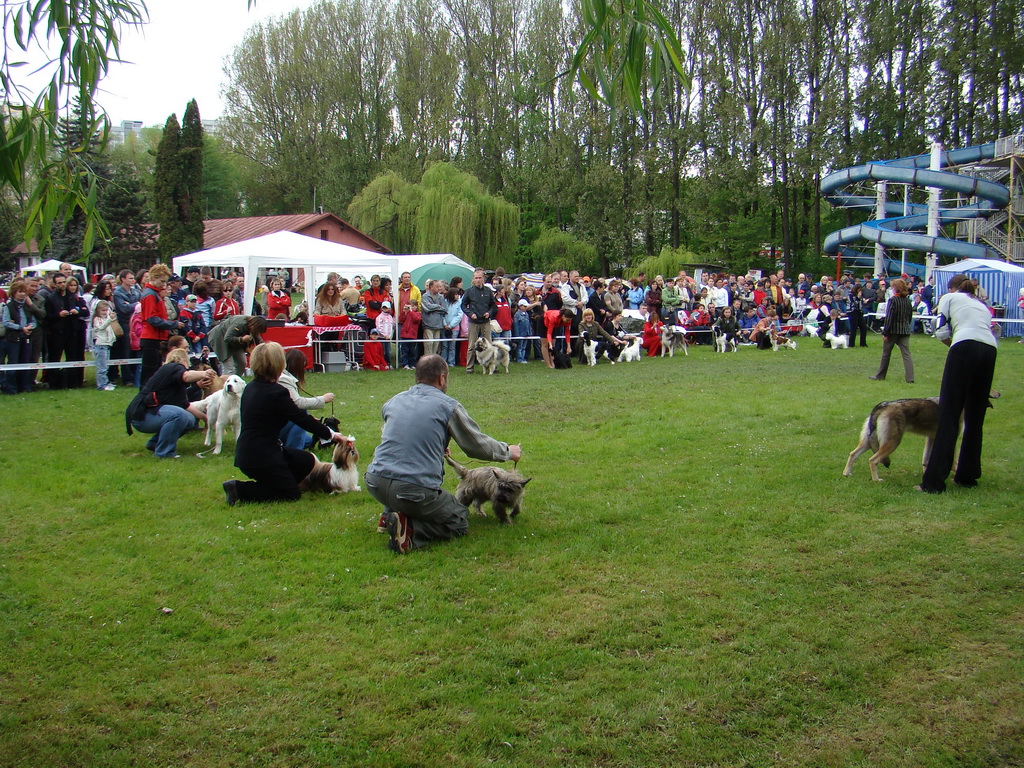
{"x":966,"y":326}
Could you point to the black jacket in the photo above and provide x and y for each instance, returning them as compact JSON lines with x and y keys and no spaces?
{"x":266,"y":408}
{"x":479,"y":302}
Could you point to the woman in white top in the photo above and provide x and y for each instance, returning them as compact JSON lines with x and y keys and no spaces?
{"x":966,"y":385}
{"x":292,"y":377}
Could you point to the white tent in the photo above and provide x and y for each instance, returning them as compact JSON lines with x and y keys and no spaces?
{"x":1001,"y":280}
{"x":51,"y":265}
{"x":289,"y":250}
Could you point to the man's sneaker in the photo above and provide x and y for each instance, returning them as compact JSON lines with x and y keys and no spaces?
{"x":400,"y":530}
{"x":382,"y":523}
{"x":231,"y":492}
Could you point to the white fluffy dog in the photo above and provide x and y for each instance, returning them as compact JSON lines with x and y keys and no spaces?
{"x":632,"y":351}
{"x":842,"y":341}
{"x":589,"y":349}
{"x":491,"y":354}
{"x":223,"y":409}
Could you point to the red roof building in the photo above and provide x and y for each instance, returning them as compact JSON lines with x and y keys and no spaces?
{"x":322,"y":226}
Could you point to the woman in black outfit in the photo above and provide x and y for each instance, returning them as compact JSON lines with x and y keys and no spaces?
{"x":896,"y":331}
{"x":858,"y":321}
{"x":266,"y":408}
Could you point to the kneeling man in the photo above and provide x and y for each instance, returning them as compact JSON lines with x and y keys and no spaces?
{"x":408,"y":466}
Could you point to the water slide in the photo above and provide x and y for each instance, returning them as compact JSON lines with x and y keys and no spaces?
{"x":907,"y":229}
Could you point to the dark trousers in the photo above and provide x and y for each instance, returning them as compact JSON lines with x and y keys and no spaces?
{"x":858,"y":323}
{"x":966,"y":384}
{"x":435,"y":514}
{"x":150,"y":358}
{"x":278,"y":481}
{"x":56,"y":347}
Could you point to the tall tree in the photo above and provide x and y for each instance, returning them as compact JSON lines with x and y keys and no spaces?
{"x":166,"y":176}
{"x":191,"y":203}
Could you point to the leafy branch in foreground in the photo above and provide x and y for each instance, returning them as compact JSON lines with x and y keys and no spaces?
{"x":627,"y":42}
{"x":86,"y":35}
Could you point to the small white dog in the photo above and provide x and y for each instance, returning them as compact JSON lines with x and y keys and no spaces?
{"x":223,"y":409}
{"x":632,"y":351}
{"x":842,"y":341}
{"x":491,"y":354}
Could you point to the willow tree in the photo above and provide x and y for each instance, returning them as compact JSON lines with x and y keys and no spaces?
{"x":457,"y":211}
{"x":386,"y":210}
{"x":449,"y":211}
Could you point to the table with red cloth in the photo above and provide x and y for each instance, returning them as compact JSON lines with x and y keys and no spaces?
{"x":346,"y":336}
{"x":298,"y":337}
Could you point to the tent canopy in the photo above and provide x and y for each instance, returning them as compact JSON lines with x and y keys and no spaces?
{"x":290,"y":250}
{"x":52,"y":265}
{"x":1001,"y":280}
{"x":435,"y":266}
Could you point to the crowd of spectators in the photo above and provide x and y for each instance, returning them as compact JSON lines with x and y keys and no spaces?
{"x":52,"y":318}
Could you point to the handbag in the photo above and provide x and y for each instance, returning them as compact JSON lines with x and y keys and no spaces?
{"x":117,"y":329}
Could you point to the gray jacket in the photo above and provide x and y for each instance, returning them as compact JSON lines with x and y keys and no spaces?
{"x":435,"y":308}
{"x":418,"y":425}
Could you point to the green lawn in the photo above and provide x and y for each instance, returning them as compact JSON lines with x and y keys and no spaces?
{"x":691,"y":583}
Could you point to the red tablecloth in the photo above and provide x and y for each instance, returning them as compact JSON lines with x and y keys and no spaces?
{"x":293,"y":337}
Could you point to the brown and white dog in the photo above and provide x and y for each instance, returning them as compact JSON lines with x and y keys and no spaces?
{"x":340,"y":475}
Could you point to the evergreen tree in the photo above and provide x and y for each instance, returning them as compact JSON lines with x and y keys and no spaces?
{"x":165,"y":189}
{"x":123,"y":207}
{"x":191,"y":205}
{"x":178,"y":185}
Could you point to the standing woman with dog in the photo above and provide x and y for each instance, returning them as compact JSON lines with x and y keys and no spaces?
{"x":899,"y":318}
{"x":267,"y":408}
{"x":966,"y":328}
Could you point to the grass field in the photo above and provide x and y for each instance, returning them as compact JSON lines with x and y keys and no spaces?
{"x":692,"y":583}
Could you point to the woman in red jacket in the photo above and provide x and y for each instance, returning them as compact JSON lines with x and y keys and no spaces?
{"x":652,"y":334}
{"x":279,"y":301}
{"x":155,"y":325}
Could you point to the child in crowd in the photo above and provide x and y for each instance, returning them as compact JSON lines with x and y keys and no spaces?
{"x":407,"y":350}
{"x":503,"y":314}
{"x":373,"y":353}
{"x":385,"y":325}
{"x":134,"y":332}
{"x":522,"y":326}
{"x":103,"y":337}
{"x":195,"y":329}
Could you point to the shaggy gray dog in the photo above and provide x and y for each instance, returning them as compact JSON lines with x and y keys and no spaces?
{"x":503,"y":488}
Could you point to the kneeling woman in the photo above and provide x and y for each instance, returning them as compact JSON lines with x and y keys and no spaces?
{"x":164,"y":409}
{"x":266,"y":409}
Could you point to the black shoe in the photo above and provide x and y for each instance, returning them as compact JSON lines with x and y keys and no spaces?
{"x":231,"y":492}
{"x":965,"y":483}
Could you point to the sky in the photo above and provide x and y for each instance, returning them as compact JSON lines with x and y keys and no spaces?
{"x":179,"y":56}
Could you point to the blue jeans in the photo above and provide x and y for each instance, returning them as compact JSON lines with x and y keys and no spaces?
{"x":451,"y":351}
{"x":407,"y":353}
{"x":294,"y":436}
{"x":166,"y":423}
{"x":102,"y":354}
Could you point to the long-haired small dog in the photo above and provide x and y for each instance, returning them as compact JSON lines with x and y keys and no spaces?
{"x":673,"y":337}
{"x":502,"y":487}
{"x":491,"y":354}
{"x":842,"y":341}
{"x":562,"y":360}
{"x":339,"y":475}
{"x":632,"y":351}
{"x":778,"y":340}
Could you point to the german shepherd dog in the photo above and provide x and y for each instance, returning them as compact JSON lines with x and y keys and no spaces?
{"x":503,"y":488}
{"x":885,"y":427}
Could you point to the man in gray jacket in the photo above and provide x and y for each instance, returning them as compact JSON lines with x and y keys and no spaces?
{"x":434,"y":308}
{"x":408,"y":466}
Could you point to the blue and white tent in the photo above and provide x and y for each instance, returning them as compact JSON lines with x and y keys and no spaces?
{"x":1001,"y":280}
